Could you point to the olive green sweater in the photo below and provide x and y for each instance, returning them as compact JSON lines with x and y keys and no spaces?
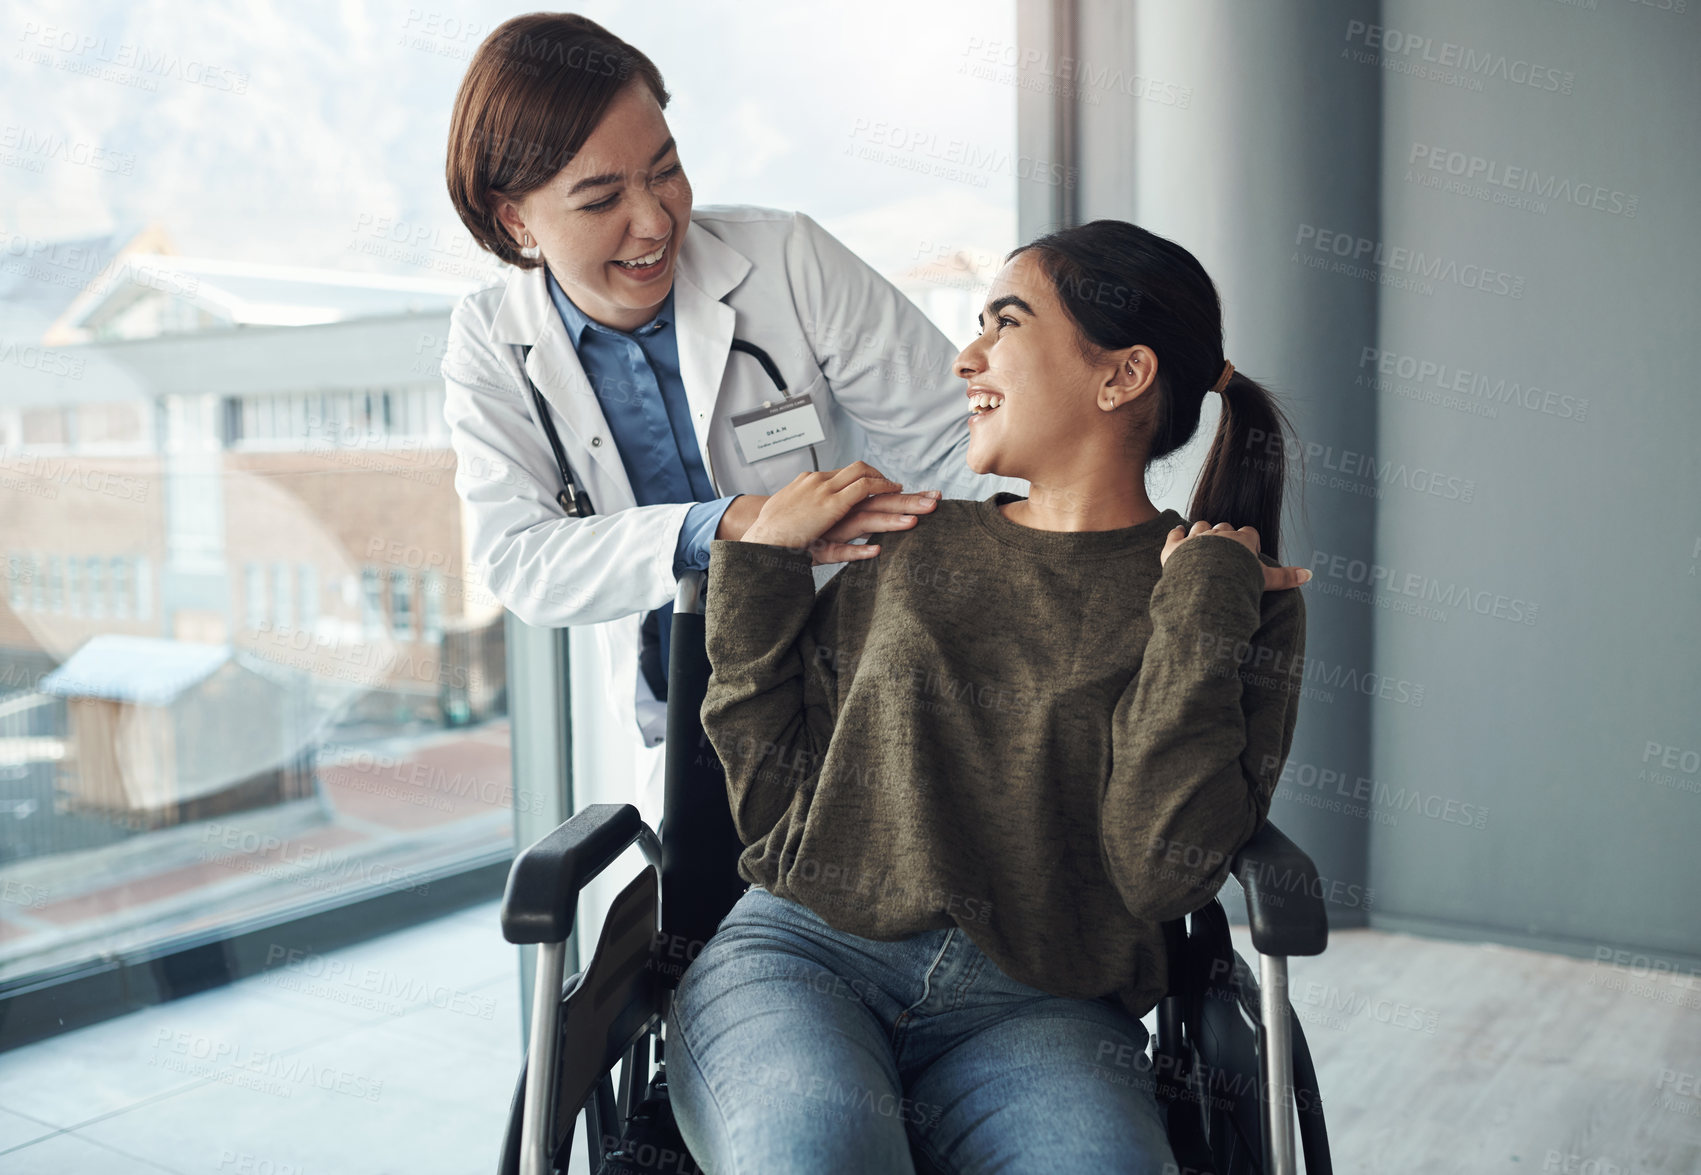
{"x":1050,"y":739}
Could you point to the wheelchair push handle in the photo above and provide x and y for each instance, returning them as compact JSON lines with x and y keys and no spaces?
{"x":544,"y":882}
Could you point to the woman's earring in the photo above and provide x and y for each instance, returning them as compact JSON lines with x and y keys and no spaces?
{"x":530,"y":250}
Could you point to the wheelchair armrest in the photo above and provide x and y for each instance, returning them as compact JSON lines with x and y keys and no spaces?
{"x":1283,"y":900}
{"x":545,"y":880}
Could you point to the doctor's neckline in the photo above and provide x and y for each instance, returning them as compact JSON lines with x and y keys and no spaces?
{"x":1073,"y":544}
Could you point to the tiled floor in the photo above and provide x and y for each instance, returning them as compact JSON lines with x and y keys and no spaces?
{"x":396,"y":1055}
{"x":399,"y":1056}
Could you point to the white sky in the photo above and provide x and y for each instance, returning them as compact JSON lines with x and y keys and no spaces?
{"x":345,"y":111}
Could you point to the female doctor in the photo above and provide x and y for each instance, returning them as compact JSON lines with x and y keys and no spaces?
{"x":686,"y":363}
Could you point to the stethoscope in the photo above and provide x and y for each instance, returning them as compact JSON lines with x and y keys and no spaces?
{"x":575,"y":501}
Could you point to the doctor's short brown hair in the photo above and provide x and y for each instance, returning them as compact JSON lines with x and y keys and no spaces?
{"x":535,"y":90}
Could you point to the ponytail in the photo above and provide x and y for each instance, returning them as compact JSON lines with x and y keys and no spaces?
{"x":1246,"y":469}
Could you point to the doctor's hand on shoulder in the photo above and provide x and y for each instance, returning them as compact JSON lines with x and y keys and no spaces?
{"x":825,"y":511}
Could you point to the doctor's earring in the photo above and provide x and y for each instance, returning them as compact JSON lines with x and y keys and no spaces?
{"x":531,"y":250}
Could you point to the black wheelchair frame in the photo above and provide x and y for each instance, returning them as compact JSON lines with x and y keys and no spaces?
{"x":606,"y":1014}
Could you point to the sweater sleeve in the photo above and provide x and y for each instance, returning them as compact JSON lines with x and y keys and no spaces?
{"x":1199,"y":738}
{"x":771,"y":702}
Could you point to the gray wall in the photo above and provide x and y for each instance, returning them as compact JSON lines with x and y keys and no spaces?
{"x":1505,"y":615}
{"x":1591,"y":518}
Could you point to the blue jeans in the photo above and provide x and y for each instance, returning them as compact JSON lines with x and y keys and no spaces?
{"x":794,"y":1048}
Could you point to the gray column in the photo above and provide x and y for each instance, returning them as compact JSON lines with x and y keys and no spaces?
{"x":1538,"y":348}
{"x":541,"y":740}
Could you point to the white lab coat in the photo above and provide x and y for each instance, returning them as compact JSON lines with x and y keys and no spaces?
{"x":879,"y":371}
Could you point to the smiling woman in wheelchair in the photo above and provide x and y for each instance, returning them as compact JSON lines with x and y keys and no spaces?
{"x":1012,"y":737}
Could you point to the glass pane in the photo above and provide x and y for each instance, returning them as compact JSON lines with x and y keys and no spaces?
{"x":252,"y":690}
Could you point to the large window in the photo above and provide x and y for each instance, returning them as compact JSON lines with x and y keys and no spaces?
{"x":249,"y":678}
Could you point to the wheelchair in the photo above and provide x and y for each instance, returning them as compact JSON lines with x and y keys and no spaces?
{"x":1229,"y":1063}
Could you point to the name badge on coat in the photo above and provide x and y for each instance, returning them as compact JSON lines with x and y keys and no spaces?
{"x":779,"y":426}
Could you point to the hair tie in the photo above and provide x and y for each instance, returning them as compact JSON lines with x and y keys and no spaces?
{"x":1222,"y":380}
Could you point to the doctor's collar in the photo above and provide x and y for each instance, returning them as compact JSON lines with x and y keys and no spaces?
{"x":576,"y":320}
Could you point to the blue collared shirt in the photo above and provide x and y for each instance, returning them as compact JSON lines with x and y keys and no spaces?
{"x":635,"y":376}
